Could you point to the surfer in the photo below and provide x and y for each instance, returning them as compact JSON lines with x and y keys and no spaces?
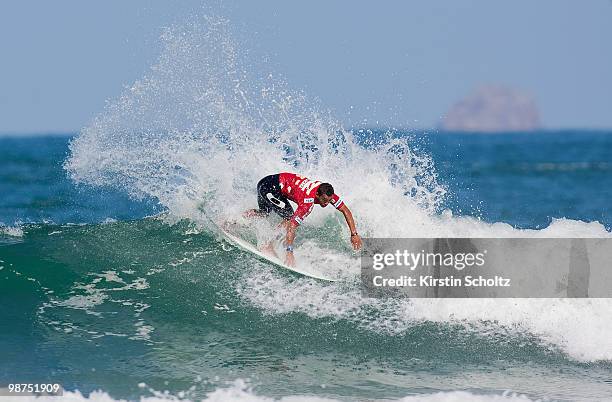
{"x":274,"y":193}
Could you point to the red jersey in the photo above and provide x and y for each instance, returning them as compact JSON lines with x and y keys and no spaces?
{"x":302,"y":191}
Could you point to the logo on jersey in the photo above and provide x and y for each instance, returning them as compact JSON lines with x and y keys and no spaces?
{"x":275,"y":200}
{"x":308,"y":185}
{"x":308,"y":200}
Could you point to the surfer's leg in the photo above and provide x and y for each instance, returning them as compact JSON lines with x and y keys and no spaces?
{"x":264,"y":186}
{"x":271,"y":199}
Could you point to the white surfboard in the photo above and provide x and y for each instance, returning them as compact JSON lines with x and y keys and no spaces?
{"x":247,"y":246}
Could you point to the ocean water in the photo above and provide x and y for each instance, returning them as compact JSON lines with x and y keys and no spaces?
{"x":114,"y":283}
{"x":97,"y":295}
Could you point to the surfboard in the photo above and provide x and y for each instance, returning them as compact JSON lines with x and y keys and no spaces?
{"x":251,"y":248}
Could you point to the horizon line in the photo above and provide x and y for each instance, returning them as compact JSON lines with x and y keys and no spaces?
{"x":423,"y":130}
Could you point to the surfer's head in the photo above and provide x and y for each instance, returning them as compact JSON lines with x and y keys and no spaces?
{"x":324,"y":194}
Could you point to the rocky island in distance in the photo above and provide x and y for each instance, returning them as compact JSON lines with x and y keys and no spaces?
{"x":493,"y":109}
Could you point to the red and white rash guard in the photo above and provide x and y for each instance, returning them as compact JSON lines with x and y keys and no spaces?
{"x":302,"y":191}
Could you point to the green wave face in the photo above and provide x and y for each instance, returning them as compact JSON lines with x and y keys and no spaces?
{"x":117,"y":304}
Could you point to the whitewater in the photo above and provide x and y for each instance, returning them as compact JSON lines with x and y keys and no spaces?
{"x":195,"y":128}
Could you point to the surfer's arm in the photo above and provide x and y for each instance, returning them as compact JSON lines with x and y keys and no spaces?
{"x":355,"y":238}
{"x":291,"y":227}
{"x":303,"y":210}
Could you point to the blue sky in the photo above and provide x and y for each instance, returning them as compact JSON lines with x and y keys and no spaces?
{"x":372,"y":63}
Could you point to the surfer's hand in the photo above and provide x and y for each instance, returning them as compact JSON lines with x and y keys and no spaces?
{"x":356,"y":242}
{"x":290,"y":259}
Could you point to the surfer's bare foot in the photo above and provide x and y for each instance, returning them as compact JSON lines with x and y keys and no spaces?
{"x":268,"y":249}
{"x":253,"y":213}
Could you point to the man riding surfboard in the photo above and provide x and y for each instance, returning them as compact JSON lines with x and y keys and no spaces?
{"x":274,"y":193}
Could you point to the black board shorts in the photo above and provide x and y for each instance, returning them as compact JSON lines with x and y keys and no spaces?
{"x":270,"y":198}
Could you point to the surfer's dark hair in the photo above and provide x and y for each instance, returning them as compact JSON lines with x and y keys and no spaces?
{"x":325,"y":188}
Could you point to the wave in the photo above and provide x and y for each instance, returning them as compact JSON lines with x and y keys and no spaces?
{"x":108,"y":279}
{"x":198,"y":131}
